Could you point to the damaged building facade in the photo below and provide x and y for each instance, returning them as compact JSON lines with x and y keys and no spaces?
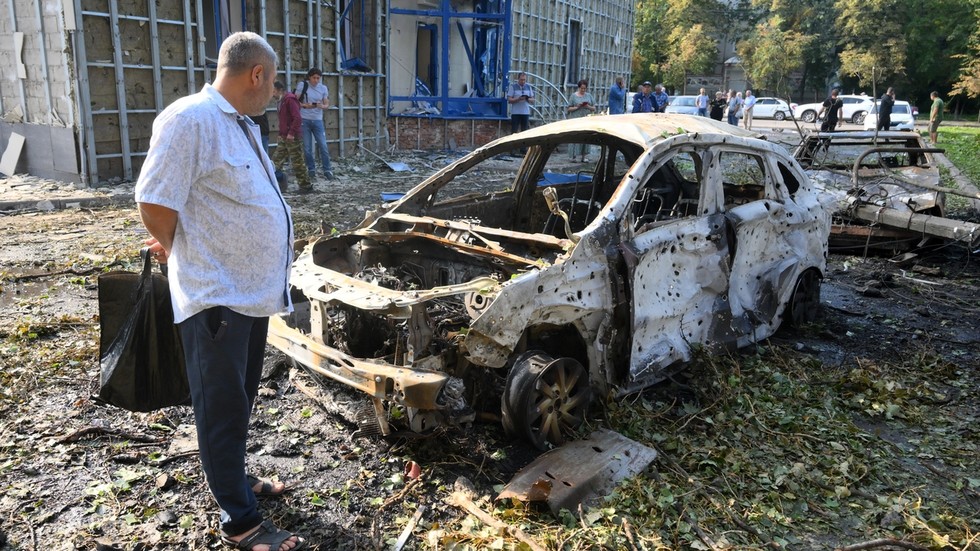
{"x":84,"y":79}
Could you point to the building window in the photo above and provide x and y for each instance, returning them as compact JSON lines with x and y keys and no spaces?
{"x":573,"y":56}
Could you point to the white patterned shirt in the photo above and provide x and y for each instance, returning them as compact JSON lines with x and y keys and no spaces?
{"x":233,"y":242}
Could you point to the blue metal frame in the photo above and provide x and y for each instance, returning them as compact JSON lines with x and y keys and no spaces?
{"x":353,"y":63}
{"x":483,"y":105}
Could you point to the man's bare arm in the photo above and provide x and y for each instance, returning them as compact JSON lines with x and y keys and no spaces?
{"x":161,"y":222}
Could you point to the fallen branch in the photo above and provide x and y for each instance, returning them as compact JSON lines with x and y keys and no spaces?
{"x":171,"y":458}
{"x":73,"y":271}
{"x":629,"y":535}
{"x":461,"y":497}
{"x":701,"y":534}
{"x":79,"y":434}
{"x":883,"y":542}
{"x":375,"y":525}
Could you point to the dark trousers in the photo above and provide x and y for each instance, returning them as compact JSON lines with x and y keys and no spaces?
{"x":224,"y":352}
{"x":884,"y":122}
{"x":519,"y":123}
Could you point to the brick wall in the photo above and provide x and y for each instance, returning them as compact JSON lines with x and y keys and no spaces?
{"x":433,"y":134}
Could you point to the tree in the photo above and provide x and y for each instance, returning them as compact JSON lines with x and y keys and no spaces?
{"x":874,"y":44}
{"x":649,"y":47}
{"x":968,"y":83}
{"x":770,"y":55}
{"x":692,"y":51}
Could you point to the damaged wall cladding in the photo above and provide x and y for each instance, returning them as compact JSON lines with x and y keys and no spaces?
{"x":36,"y":97}
{"x":83,"y":80}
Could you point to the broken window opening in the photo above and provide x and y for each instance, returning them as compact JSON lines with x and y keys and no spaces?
{"x":453,"y":65}
{"x":743,"y":178}
{"x":672,"y":192}
{"x":356,"y":43}
{"x":573,"y":55}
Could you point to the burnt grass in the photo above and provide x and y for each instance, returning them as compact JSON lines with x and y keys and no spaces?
{"x":78,"y":474}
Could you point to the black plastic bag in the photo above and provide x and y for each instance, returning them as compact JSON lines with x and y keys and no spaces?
{"x":140,"y":352}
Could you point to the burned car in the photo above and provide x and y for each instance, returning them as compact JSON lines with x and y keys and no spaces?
{"x":525,"y":292}
{"x":887,"y":190}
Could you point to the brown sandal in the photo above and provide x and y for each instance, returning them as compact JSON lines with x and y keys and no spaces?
{"x":266,"y":534}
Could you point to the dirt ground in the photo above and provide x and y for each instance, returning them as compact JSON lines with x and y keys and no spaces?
{"x":76,"y":474}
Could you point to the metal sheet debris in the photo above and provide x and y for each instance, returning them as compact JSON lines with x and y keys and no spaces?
{"x":579,"y":472}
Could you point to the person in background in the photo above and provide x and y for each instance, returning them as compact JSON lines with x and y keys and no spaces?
{"x":520,"y":96}
{"x":718,"y":106}
{"x":643,"y":100}
{"x":263,"y":122}
{"x":832,"y":110}
{"x":701,"y":102}
{"x":662,"y":100}
{"x":617,"y":97}
{"x":580,"y":104}
{"x":290,"y":146}
{"x":313,"y":101}
{"x":747,"y":109}
{"x":935,"y":116}
{"x":733,"y":107}
{"x":227,"y":236}
{"x":885,"y":109}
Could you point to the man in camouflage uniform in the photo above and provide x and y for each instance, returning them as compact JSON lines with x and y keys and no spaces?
{"x":290,"y":140}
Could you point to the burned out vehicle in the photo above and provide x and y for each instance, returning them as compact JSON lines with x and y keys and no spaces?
{"x":887,"y":190}
{"x":527,"y":291}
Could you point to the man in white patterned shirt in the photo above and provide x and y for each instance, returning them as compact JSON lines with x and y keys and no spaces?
{"x":207,"y":194}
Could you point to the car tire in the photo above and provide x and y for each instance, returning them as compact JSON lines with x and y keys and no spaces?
{"x":804,"y":303}
{"x":779,"y":115}
{"x":858,"y":118}
{"x":809,"y":115}
{"x":545,"y":399}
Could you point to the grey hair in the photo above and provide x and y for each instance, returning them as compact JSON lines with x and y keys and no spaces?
{"x":243,"y":50}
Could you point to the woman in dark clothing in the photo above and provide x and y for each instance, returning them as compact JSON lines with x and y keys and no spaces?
{"x":718,"y":106}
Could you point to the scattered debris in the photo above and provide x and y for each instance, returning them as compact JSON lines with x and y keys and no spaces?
{"x":577,"y":473}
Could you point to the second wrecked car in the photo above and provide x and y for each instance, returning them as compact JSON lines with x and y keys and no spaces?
{"x":525,"y":292}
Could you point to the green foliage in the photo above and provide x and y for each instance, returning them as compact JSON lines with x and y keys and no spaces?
{"x":871,"y":33}
{"x":770,"y":55}
{"x":962,"y":145}
{"x":969,"y":79}
{"x":776,"y":450}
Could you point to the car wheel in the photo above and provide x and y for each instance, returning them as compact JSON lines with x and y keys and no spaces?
{"x":545,"y":399}
{"x":804,"y":303}
{"x":779,"y":116}
{"x":858,"y":118}
{"x":809,"y":115}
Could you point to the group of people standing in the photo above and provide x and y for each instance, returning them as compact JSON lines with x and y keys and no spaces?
{"x":647,"y":101}
{"x":737,"y":106}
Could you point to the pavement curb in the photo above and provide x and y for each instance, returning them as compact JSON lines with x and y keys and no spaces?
{"x":62,"y":203}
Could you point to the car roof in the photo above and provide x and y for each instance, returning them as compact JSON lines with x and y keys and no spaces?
{"x":645,"y":129}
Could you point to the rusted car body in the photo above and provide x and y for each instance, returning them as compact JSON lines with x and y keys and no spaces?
{"x":525,"y":291}
{"x":887,"y":187}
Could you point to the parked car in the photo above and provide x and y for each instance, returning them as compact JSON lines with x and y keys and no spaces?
{"x":902,"y":117}
{"x":855,"y":109}
{"x":771,"y":108}
{"x":682,"y":105}
{"x":525,"y":291}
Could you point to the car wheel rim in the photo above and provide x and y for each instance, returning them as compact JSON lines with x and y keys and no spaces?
{"x":547,"y":399}
{"x":779,"y":116}
{"x":809,"y":116}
